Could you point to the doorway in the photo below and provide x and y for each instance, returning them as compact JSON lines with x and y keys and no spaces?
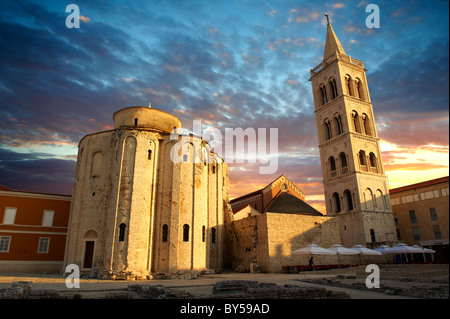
{"x":88,"y":254}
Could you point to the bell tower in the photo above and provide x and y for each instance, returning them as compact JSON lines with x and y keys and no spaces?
{"x":353,"y":175}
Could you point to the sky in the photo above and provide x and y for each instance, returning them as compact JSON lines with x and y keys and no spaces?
{"x":231,"y":64}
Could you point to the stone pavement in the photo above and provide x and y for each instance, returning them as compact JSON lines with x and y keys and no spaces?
{"x":203,"y":285}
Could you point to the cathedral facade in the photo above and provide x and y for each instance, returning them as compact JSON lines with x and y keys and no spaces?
{"x":146,"y":201}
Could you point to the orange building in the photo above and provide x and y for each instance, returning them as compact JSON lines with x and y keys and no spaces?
{"x":421,"y":215}
{"x":33,"y":230}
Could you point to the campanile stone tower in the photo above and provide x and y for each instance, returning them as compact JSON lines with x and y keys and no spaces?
{"x":354,"y":179}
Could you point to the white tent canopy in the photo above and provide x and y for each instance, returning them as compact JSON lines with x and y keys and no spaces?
{"x":404,"y":249}
{"x":313,"y":249}
{"x":365,"y":251}
{"x":383,"y":249}
{"x":341,"y":250}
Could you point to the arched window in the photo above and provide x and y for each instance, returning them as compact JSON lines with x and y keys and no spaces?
{"x":323,"y":94}
{"x":379,"y":200}
{"x":185,"y":232}
{"x":343,"y":160}
{"x":336,"y":202}
{"x":122,"y":231}
{"x":359,"y":89}
{"x":327,"y":127}
{"x":165,"y":233}
{"x":368,"y":199}
{"x":349,"y":85}
{"x":348,"y":197}
{"x":365,"y":124}
{"x":362,"y":159}
{"x":96,"y":164}
{"x":332,"y":166}
{"x":356,"y":123}
{"x":373,"y":163}
{"x":213,"y":235}
{"x":338,"y":125}
{"x":333,"y":88}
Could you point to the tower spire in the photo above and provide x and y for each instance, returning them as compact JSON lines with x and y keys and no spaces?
{"x":332,"y":43}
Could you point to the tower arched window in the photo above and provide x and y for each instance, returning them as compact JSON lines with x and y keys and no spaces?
{"x":185,"y":232}
{"x":343,"y":160}
{"x":349,"y":85}
{"x":327,"y":128}
{"x":336,"y":202}
{"x":203,"y":234}
{"x":373,"y":163}
{"x":356,"y":123}
{"x":362,"y":159}
{"x":359,"y":89}
{"x":323,"y":95}
{"x":366,"y":124}
{"x":338,"y":124}
{"x":333,"y":88}
{"x":348,"y":198}
{"x":332,"y":162}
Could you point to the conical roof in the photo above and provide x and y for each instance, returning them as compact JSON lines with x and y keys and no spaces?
{"x":332,"y":43}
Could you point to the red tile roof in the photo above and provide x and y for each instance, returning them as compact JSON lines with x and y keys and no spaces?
{"x":419,"y":185}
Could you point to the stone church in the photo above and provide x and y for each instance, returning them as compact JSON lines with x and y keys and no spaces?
{"x":147,"y":200}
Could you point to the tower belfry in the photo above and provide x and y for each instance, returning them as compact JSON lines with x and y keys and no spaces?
{"x":353,"y":175}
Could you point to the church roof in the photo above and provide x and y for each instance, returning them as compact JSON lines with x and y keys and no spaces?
{"x":332,"y":43}
{"x":287,"y":203}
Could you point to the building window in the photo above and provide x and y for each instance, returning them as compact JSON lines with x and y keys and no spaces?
{"x":437,"y":232}
{"x":359,"y":89}
{"x":343,"y":159}
{"x":213,"y":235}
{"x":47,"y":219}
{"x":185,"y":232}
{"x":203,"y":234}
{"x":4,"y":244}
{"x":349,"y":85}
{"x":10,"y":215}
{"x":338,"y":124}
{"x":333,"y":88}
{"x":165,"y":233}
{"x":412,"y":216}
{"x":416,"y":234}
{"x":97,"y":164}
{"x":433,"y":214}
{"x":149,"y":155}
{"x":362,"y":158}
{"x":355,"y":120}
{"x":323,"y":95}
{"x":348,"y":197}
{"x":328,"y":132}
{"x":44,"y":243}
{"x":332,"y":166}
{"x":372,"y":236}
{"x":337,"y":202}
{"x":366,"y":124}
{"x":398,"y":234}
{"x":135,"y":122}
{"x":122,"y":232}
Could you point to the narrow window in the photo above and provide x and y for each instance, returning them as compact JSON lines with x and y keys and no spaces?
{"x":149,"y":155}
{"x":437,"y":232}
{"x":185,"y":232}
{"x":213,"y":235}
{"x":135,"y":122}
{"x":349,"y":83}
{"x":213,"y":168}
{"x":165,"y":233}
{"x":372,"y":236}
{"x":328,"y":132}
{"x":343,"y":159}
{"x":47,"y":219}
{"x":337,"y":202}
{"x":416,"y":233}
{"x":332,"y":163}
{"x":348,"y":196}
{"x":433,"y":214}
{"x":412,"y":216}
{"x":203,"y":234}
{"x":44,"y":243}
{"x":122,"y":232}
{"x":338,"y":125}
{"x":10,"y":215}
{"x":362,"y":158}
{"x":185,"y":158}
